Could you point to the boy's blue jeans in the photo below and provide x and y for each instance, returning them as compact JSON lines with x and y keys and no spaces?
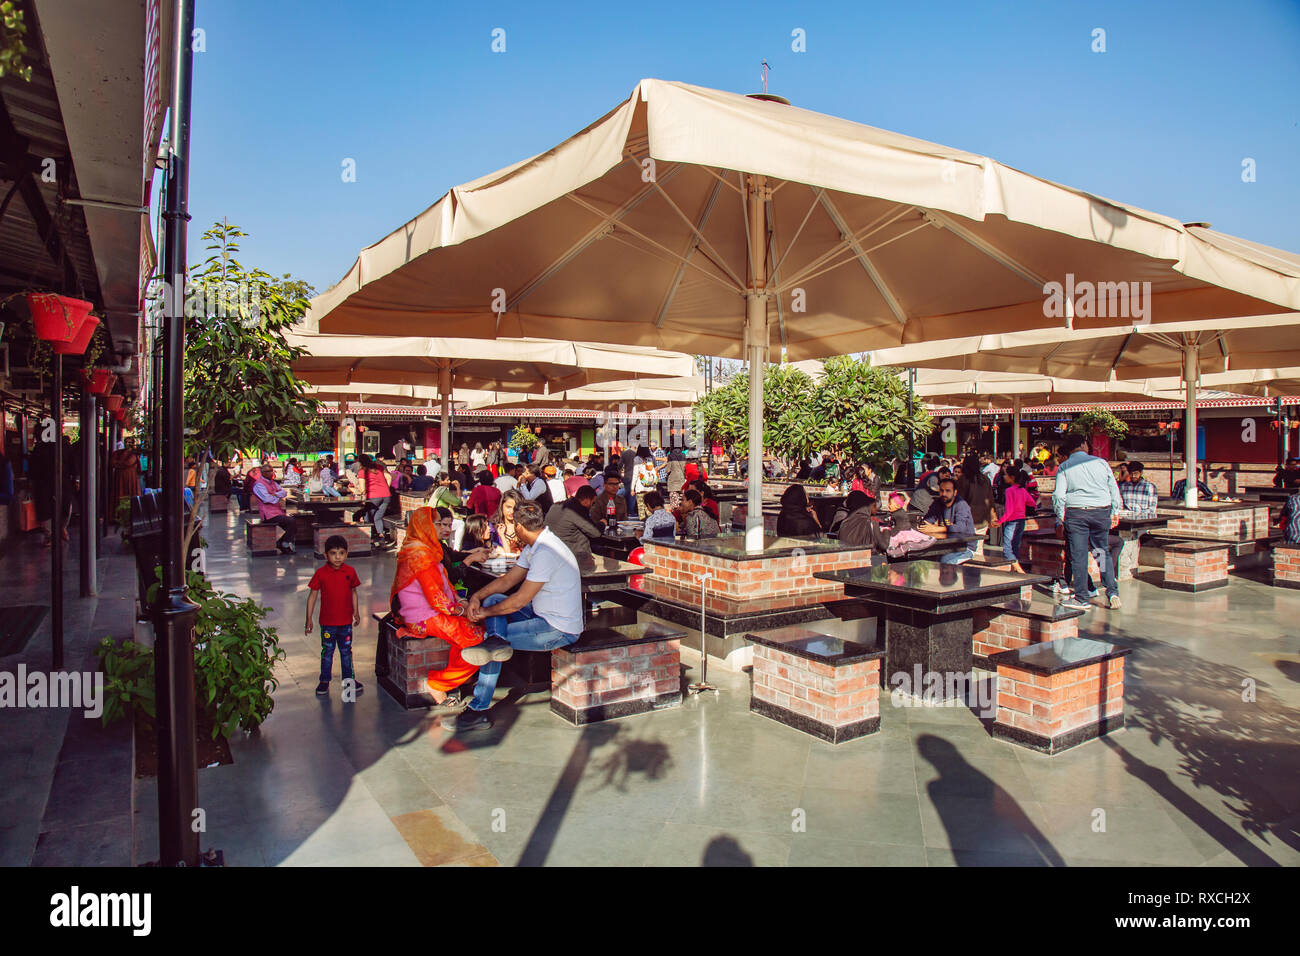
{"x":329,"y":637}
{"x":522,"y":630}
{"x":329,"y":491}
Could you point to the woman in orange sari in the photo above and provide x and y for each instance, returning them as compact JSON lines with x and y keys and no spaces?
{"x":427,"y":606}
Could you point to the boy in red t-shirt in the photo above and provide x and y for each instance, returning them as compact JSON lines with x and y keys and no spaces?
{"x":335,"y":584}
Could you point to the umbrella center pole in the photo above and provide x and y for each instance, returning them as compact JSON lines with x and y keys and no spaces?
{"x":757,"y":193}
{"x":1191,"y":375}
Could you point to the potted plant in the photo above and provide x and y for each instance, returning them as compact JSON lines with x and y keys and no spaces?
{"x":57,"y":318}
{"x":1102,"y":428}
{"x":235,"y":654}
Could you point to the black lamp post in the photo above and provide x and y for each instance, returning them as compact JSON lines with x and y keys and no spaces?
{"x":174,"y":612}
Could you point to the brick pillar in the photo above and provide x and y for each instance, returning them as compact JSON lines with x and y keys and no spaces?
{"x":835,"y":703}
{"x":1286,"y":566}
{"x":590,"y":686}
{"x":1053,"y":712}
{"x":1193,"y":567}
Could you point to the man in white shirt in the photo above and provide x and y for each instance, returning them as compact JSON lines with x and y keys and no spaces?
{"x":508,"y":478}
{"x":543,"y":612}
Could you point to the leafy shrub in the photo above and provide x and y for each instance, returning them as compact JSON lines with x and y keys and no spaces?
{"x":234,"y":662}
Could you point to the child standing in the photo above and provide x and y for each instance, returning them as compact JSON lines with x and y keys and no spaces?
{"x":335,"y":584}
{"x":1018,"y":505}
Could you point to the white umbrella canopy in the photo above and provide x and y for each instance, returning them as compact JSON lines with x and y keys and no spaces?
{"x":607,"y":396}
{"x":1005,"y":389}
{"x":511,"y":365}
{"x":716,"y":223}
{"x":413,"y":395}
{"x":1218,"y":354}
{"x":636,"y":230}
{"x":1117,"y":353}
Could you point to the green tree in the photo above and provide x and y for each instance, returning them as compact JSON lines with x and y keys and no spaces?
{"x":723,"y":414}
{"x":240,"y":390}
{"x":855,"y":411}
{"x":859,"y":412}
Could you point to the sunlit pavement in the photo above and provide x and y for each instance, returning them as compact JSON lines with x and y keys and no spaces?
{"x":1198,"y":777}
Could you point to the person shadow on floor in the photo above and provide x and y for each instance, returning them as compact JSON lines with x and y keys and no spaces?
{"x":979,"y":816}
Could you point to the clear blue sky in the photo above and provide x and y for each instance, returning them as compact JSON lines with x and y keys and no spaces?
{"x":286,"y":90}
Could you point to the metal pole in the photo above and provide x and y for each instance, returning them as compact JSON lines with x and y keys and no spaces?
{"x":1281,"y":434}
{"x":1015,"y":427}
{"x":89,"y":524}
{"x":174,"y":612}
{"x":911,"y":438}
{"x":444,"y":418}
{"x":1191,"y":375}
{"x":703,"y":683}
{"x":757,"y":194}
{"x":56,"y":518}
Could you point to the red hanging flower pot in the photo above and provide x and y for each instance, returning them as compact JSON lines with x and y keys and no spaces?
{"x":57,"y":318}
{"x":119,"y":414}
{"x":112,"y":402}
{"x":80,"y":339}
{"x":98,"y":380}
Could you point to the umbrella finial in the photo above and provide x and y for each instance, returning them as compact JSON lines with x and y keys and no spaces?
{"x":764,"y":75}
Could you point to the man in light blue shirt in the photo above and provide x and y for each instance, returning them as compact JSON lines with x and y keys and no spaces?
{"x":1087,"y":505}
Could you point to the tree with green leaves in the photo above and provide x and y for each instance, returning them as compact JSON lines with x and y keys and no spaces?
{"x":857,"y":412}
{"x":723,"y":414}
{"x":240,"y":389}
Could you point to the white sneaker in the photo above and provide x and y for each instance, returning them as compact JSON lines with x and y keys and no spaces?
{"x":1115,"y":603}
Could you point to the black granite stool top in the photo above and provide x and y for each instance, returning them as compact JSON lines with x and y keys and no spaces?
{"x":1038,"y":609}
{"x":623,"y":635}
{"x":816,"y":646}
{"x":1053,"y":657}
{"x":1195,"y":547}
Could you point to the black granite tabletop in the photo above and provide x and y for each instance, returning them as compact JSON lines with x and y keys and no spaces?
{"x":599,"y":569}
{"x":1176,"y":505}
{"x":623,"y":635}
{"x":931,"y":584}
{"x":1062,"y":654}
{"x":731,"y":547}
{"x":1137,"y":522}
{"x":815,"y":646}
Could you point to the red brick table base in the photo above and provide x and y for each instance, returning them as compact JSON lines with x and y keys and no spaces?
{"x":1195,"y":566}
{"x":1057,"y":695}
{"x":835,"y":701}
{"x":1001,"y":628}
{"x":218,"y":503}
{"x":600,"y":678}
{"x":1286,"y":566}
{"x":356,"y":535}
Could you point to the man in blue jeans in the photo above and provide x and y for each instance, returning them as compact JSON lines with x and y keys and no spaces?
{"x":1087,"y":505}
{"x":950,"y":516}
{"x":543,"y":612}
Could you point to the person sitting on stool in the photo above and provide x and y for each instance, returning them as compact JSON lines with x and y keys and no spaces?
{"x":543,"y":612}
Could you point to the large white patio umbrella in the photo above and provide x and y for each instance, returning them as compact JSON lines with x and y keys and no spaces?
{"x":639,"y":394}
{"x":1155,"y":358}
{"x":714,"y":223}
{"x":970,"y":389}
{"x":483,"y":366}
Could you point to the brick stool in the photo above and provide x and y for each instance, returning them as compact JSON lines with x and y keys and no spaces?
{"x":356,"y":535}
{"x":1286,"y":565}
{"x":1057,"y":695}
{"x":218,"y":503}
{"x":618,"y":671}
{"x":261,"y":538}
{"x":1018,"y":623}
{"x":1195,"y":566}
{"x":824,"y":686}
{"x":402,"y":665}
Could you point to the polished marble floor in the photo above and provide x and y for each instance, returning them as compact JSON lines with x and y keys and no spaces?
{"x":1207,"y":771}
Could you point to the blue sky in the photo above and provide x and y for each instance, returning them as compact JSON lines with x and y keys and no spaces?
{"x":287,"y":90}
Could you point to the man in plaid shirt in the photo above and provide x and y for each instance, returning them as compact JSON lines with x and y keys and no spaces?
{"x":1138,"y":494}
{"x":1290,"y":520}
